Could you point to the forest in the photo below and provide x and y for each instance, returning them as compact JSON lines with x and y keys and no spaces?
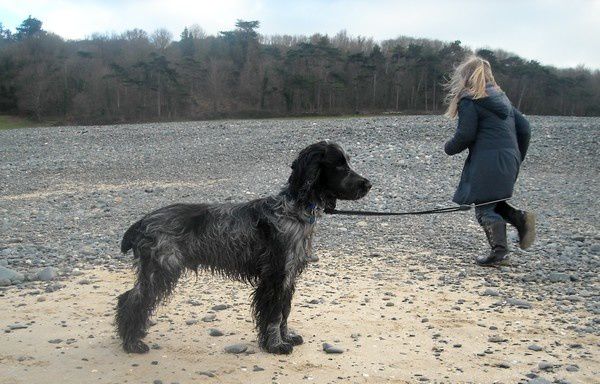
{"x":138,"y":76}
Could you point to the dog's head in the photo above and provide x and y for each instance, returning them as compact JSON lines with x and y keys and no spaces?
{"x":321,"y":174}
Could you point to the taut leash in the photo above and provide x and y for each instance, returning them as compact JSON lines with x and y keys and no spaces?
{"x":462,"y":207}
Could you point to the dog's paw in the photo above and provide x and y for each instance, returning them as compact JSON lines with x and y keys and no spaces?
{"x":280,"y":349}
{"x":137,"y":346}
{"x":293,"y":338}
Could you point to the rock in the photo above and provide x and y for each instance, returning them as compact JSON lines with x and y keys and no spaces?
{"x":503,"y":364}
{"x":191,"y":321}
{"x":209,"y":318}
{"x":236,"y":348}
{"x":497,"y":339}
{"x":328,"y":348}
{"x":558,"y":277}
{"x":220,"y":307}
{"x":257,"y":368}
{"x":47,"y":274}
{"x":539,"y":380}
{"x":54,"y":287}
{"x":518,"y":303}
{"x":572,"y":368}
{"x":535,"y":347}
{"x":205,"y":373}
{"x":215,"y":332}
{"x":11,"y":276}
{"x":17,"y":326}
{"x":55,"y":341}
{"x":545,"y":366}
{"x":490,"y":292}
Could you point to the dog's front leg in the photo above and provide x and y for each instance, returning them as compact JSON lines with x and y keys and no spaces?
{"x":268,"y":302}
{"x":288,"y":335}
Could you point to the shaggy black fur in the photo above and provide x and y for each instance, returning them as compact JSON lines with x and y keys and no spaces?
{"x":264,"y":242}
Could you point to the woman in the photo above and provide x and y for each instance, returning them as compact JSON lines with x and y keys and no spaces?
{"x":497,"y":136}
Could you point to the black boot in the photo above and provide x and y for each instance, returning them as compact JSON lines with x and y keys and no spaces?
{"x":523,"y":221}
{"x":496,"y":235}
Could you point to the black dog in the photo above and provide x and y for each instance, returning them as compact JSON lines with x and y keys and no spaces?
{"x":265,"y":242}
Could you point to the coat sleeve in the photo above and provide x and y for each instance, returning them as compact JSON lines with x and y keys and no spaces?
{"x":523,"y":132}
{"x":466,"y":131}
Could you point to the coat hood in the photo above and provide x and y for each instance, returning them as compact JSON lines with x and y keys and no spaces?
{"x":495,"y":102}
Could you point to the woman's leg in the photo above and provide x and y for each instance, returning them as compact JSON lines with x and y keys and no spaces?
{"x":523,"y":221}
{"x":495,"y":229}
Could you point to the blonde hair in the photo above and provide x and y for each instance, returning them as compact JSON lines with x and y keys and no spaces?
{"x":468,"y":79}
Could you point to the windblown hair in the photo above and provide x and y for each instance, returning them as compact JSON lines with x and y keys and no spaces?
{"x":265,"y":242}
{"x":468,"y":79}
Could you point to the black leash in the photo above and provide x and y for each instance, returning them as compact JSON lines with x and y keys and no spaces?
{"x":459,"y":208}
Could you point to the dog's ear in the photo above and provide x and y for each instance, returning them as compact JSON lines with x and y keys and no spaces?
{"x":305,"y":171}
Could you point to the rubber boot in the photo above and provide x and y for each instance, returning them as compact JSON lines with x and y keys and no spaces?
{"x":496,"y":235}
{"x":523,"y":221}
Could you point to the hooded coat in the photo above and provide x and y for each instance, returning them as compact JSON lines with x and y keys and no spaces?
{"x":497,"y":136}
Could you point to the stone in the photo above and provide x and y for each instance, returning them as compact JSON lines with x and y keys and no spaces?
{"x":497,"y":339}
{"x":47,"y":274}
{"x":328,"y":348}
{"x":236,"y":348}
{"x":490,"y":292}
{"x":7,"y":274}
{"x":559,"y":277}
{"x":518,"y":303}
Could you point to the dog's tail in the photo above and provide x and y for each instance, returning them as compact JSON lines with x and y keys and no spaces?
{"x":130,"y":236}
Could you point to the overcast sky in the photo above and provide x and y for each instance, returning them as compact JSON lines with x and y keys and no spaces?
{"x":563,"y":33}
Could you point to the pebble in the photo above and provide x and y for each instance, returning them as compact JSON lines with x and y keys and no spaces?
{"x":9,"y":276}
{"x":490,"y":292}
{"x":191,"y":321}
{"x":534,"y":347}
{"x":256,"y":368}
{"x":559,"y":277}
{"x":47,"y":274}
{"x":539,"y":380}
{"x":545,"y":366}
{"x":236,"y":348}
{"x":209,"y":318}
{"x":497,"y":339}
{"x":328,"y":348}
{"x":519,"y":303}
{"x":215,"y":332}
{"x":220,"y":307}
{"x":17,"y":326}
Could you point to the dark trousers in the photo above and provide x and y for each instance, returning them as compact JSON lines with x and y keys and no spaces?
{"x":495,"y":212}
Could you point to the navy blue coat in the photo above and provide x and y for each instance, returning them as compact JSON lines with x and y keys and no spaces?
{"x":497,"y":136}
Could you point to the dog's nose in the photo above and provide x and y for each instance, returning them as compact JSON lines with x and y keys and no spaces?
{"x":367,"y":184}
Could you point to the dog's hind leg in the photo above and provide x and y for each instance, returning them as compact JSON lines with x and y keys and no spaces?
{"x":288,"y":335}
{"x":268,"y":303}
{"x":154,"y":283}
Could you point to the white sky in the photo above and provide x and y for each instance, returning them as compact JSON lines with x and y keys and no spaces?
{"x":563,"y":33}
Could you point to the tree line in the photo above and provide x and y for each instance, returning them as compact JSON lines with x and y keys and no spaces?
{"x":136,"y":76}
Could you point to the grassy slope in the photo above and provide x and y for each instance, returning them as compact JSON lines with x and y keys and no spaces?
{"x":9,"y":122}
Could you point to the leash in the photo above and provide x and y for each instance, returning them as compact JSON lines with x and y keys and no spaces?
{"x":462,"y":207}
